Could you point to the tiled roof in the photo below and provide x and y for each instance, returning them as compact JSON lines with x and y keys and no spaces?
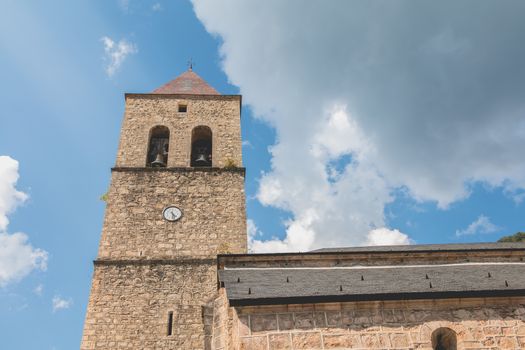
{"x":375,"y":273}
{"x":188,"y":83}
{"x":260,"y":286}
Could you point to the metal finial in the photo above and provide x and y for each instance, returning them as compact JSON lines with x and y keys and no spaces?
{"x":190,"y":64}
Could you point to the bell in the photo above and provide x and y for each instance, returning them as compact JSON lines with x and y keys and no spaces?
{"x":201,"y":159}
{"x":159,"y":161}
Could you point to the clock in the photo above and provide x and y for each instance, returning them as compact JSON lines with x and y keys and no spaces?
{"x":171,"y":213}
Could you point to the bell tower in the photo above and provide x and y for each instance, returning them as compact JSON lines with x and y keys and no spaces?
{"x":176,"y":200}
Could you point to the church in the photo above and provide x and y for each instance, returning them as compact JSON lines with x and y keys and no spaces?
{"x":173,"y":272}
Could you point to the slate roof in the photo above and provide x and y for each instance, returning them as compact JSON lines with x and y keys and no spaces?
{"x":426,"y":247}
{"x":265,"y":286}
{"x":375,"y":273}
{"x":188,"y":83}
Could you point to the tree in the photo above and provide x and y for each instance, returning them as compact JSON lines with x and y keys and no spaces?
{"x":517,"y":237}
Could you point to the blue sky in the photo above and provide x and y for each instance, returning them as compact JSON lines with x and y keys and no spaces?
{"x":357,"y":128}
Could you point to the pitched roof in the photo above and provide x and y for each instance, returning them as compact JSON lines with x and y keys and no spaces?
{"x":188,"y":83}
{"x":375,"y":273}
{"x":425,"y":248}
{"x":266,"y":286}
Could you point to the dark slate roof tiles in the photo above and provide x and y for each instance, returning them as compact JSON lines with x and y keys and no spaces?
{"x":256,"y":286}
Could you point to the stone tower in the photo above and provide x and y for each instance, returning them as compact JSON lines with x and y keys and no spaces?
{"x":176,"y":200}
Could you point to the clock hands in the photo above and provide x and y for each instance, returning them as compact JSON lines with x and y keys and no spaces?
{"x":172,"y":213}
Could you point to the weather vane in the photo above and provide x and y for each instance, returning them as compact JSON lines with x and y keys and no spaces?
{"x":190,"y":64}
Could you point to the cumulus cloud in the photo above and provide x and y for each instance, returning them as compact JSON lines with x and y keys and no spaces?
{"x":384,"y":236}
{"x":10,"y":197}
{"x":368,"y":97}
{"x":116,"y":53}
{"x":60,"y":303}
{"x":17,"y":256}
{"x":481,"y":225}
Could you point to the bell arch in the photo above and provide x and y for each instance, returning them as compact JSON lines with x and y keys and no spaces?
{"x":444,"y":339}
{"x":201,"y":147}
{"x":158,"y":146}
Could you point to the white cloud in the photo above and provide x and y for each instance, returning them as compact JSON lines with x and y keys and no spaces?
{"x":384,"y":236}
{"x":481,"y":225}
{"x":17,"y":256}
{"x":364,"y":104}
{"x":39,"y":289}
{"x":116,"y":53}
{"x":10,"y":197}
{"x":332,"y":206}
{"x":60,"y":303}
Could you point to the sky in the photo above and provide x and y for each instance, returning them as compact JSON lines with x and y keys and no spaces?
{"x":364,"y":123}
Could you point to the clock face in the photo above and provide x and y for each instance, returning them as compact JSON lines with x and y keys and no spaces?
{"x":172,"y":213}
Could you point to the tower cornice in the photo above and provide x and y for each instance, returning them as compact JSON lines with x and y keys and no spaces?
{"x":167,"y":261}
{"x":240,"y":170}
{"x":187,"y":96}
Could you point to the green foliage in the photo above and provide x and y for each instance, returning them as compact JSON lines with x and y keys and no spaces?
{"x":517,"y":237}
{"x":230,"y":164}
{"x":104,"y":197}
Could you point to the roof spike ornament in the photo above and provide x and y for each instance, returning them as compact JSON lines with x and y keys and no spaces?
{"x":190,"y":64}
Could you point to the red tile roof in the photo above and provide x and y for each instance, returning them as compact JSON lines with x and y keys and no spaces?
{"x":187,"y":83}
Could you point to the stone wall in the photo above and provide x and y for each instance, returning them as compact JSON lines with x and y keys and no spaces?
{"x":400,"y":258}
{"x":148,"y":267}
{"x":219,"y":319}
{"x":129,"y":305}
{"x":144,"y":111}
{"x":212,"y":202}
{"x":492,"y":323}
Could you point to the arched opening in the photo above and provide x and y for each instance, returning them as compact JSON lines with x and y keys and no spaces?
{"x":444,"y":339}
{"x":158,"y":147}
{"x":201,"y":147}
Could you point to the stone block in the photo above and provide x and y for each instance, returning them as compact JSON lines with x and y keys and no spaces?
{"x":306,"y":340}
{"x":286,"y":321}
{"x":263,"y":323}
{"x":304,"y":320}
{"x":341,"y":341}
{"x":281,"y":341}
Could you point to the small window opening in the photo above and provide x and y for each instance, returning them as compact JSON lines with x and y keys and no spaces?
{"x":201,"y":147}
{"x":183,"y":108}
{"x":444,"y":339}
{"x":170,"y":323}
{"x":158,"y":147}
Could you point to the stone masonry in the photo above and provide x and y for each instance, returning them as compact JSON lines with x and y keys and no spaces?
{"x":150,"y":270}
{"x":130,"y":302}
{"x":489,"y":323}
{"x":144,"y":111}
{"x":213,"y":221}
